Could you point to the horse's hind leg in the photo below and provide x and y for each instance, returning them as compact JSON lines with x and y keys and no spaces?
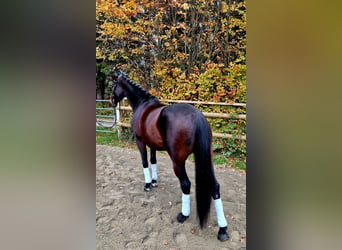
{"x":221,"y":220}
{"x":185,"y":184}
{"x":154,"y":168}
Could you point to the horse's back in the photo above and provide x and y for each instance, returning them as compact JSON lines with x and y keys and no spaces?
{"x":181,"y":109}
{"x":181,"y":114}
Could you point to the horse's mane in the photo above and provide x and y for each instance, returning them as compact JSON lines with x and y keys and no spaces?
{"x":141,"y":91}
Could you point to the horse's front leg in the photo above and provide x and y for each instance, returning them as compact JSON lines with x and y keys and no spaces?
{"x":154,"y":168}
{"x":143,"y":154}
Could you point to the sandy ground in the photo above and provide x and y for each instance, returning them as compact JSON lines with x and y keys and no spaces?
{"x":129,"y":218}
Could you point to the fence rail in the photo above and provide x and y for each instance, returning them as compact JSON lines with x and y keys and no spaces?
{"x":207,"y":103}
{"x":206,"y":114}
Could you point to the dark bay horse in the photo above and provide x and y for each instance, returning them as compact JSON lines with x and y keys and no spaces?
{"x":180,"y":129}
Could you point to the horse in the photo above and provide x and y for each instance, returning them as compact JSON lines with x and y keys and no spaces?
{"x":180,"y":129}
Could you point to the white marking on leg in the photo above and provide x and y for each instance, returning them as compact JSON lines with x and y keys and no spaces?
{"x":154,"y":171}
{"x":221,"y":220}
{"x":186,"y":204}
{"x":147,"y":175}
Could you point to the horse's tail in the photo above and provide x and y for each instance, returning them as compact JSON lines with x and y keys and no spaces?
{"x":204,"y":169}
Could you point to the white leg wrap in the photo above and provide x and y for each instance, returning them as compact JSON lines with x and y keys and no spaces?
{"x":186,"y":204}
{"x":221,"y":220}
{"x":154,"y":171}
{"x":147,"y":175}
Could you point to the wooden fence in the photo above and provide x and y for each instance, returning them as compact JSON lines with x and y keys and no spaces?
{"x":206,"y":114}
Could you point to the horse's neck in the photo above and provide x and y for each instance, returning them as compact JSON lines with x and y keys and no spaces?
{"x":133,"y":98}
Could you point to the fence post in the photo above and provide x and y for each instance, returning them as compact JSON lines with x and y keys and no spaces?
{"x":117,"y":110}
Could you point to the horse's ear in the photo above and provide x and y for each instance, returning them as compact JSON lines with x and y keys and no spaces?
{"x":121,"y":73}
{"x":113,"y":73}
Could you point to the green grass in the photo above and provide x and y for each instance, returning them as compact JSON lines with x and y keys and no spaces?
{"x":223,"y":158}
{"x":113,"y":139}
{"x":234,"y":162}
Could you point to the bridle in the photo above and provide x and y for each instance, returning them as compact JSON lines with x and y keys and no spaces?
{"x":113,"y":95}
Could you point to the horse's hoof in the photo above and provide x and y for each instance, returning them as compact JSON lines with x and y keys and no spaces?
{"x":181,"y":218}
{"x":148,"y":187}
{"x":154,"y":183}
{"x":222,"y":234}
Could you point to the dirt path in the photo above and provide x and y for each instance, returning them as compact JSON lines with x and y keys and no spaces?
{"x":129,"y":218}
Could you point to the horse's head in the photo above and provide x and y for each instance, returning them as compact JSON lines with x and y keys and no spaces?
{"x":117,"y":90}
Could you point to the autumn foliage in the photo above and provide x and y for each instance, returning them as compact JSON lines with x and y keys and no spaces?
{"x":192,"y":50}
